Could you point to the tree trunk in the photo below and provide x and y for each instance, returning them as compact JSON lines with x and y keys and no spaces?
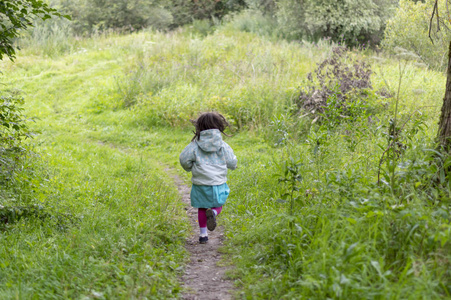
{"x":444,"y":131}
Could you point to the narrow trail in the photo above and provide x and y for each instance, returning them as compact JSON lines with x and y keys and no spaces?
{"x":203,"y":278}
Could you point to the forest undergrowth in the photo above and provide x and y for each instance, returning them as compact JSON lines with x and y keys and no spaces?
{"x":342,"y":202}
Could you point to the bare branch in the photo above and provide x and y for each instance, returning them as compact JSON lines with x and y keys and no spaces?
{"x":434,"y":11}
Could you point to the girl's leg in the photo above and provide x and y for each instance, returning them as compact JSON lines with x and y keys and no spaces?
{"x":202,"y":218}
{"x":217,"y":210}
{"x":211,"y":214}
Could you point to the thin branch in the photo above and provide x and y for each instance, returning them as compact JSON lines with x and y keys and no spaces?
{"x":434,"y":11}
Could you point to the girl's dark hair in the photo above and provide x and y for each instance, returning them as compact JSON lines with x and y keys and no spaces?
{"x":209,"y":120}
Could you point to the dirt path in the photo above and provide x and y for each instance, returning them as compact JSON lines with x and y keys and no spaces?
{"x":203,"y":278}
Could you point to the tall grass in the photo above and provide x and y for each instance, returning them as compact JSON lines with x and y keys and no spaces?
{"x":349,"y":238}
{"x":249,"y":78}
{"x":51,"y":39}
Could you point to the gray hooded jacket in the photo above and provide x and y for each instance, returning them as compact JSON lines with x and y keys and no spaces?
{"x":208,"y":158}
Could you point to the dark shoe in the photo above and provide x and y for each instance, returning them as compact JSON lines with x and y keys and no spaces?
{"x":203,"y":239}
{"x":211,"y":219}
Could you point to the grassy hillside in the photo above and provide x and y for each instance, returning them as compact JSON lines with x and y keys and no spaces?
{"x":114,"y":114}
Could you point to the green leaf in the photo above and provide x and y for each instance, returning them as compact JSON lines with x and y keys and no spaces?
{"x":351,"y":220}
{"x":377,"y":266}
{"x":298,"y":228}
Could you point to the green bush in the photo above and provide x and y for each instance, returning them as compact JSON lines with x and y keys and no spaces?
{"x":353,"y":22}
{"x":18,"y":163}
{"x":13,"y":131}
{"x":409,"y":28}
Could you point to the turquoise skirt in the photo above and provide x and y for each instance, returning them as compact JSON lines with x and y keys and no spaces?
{"x":208,"y":196}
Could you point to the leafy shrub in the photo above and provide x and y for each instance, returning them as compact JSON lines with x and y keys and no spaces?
{"x":356,"y":21}
{"x":409,"y":28}
{"x":13,"y":131}
{"x":18,"y":164}
{"x":353,"y":22}
{"x":337,"y":89}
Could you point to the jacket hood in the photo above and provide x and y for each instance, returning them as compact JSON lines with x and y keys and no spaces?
{"x":210,"y":140}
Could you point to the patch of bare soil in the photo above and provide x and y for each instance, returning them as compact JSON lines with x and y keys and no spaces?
{"x":203,"y":278}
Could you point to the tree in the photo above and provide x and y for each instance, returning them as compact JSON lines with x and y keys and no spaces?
{"x":435,"y":25}
{"x":16,"y":15}
{"x":444,"y":131}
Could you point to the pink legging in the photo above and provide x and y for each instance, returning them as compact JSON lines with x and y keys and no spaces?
{"x":202,"y":217}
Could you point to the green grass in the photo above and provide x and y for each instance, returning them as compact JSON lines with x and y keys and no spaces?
{"x":128,"y":233}
{"x":114,"y":115}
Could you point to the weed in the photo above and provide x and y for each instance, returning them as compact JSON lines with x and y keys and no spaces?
{"x":338,"y":89}
{"x":290,"y":176}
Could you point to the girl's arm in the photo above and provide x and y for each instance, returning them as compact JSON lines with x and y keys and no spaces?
{"x":230,"y":157}
{"x":187,"y":158}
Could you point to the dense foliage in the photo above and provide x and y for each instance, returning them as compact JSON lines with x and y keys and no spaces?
{"x":16,"y":15}
{"x":352,"y":22}
{"x":13,"y":130}
{"x":16,"y":171}
{"x":409,"y":29}
{"x":98,"y":15}
{"x":89,"y":15}
{"x":355,"y":22}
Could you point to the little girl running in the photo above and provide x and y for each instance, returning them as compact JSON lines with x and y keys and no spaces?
{"x":208,"y":157}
